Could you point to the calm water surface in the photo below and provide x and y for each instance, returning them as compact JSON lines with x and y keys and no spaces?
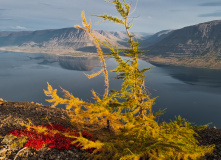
{"x":193,"y":93}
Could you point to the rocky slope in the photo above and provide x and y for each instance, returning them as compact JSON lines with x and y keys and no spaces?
{"x":58,"y":40}
{"x":198,"y":45}
{"x":13,"y":114}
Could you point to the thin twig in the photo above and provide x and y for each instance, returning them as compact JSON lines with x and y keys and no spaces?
{"x":134,"y":7}
{"x":19,"y":152}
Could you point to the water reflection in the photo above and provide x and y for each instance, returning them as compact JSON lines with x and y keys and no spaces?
{"x":67,"y":62}
{"x":78,"y":63}
{"x":194,"y":76}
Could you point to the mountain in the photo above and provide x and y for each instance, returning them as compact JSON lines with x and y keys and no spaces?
{"x":51,"y":40}
{"x":151,"y":40}
{"x":198,"y":45}
{"x":62,"y":41}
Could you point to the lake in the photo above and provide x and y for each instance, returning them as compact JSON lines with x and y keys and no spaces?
{"x":193,"y":93}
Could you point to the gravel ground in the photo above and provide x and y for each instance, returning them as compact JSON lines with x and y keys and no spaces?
{"x":12,"y":114}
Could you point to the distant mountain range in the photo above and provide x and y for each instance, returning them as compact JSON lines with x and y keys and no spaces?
{"x":59,"y":41}
{"x":198,"y":45}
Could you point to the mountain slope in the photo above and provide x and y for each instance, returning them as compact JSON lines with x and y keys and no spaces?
{"x":61,"y":36}
{"x":57,"y":40}
{"x":198,"y":45}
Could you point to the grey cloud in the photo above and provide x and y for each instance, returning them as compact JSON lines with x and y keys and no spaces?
{"x":176,"y":10}
{"x":2,"y":10}
{"x":215,"y":14}
{"x":45,"y":4}
{"x":211,"y":4}
{"x":19,"y":28}
{"x":51,"y":6}
{"x":6,"y":19}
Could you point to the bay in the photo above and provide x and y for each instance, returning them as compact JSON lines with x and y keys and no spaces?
{"x":193,"y":93}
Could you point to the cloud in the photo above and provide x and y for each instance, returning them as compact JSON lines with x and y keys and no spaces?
{"x":214,"y":14}
{"x":210,"y":4}
{"x":45,"y":4}
{"x":2,"y":17}
{"x":149,"y":17}
{"x":19,"y":28}
{"x":176,"y":10}
{"x":5,"y":19}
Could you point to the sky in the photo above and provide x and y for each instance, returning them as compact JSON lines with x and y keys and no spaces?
{"x":148,"y":16}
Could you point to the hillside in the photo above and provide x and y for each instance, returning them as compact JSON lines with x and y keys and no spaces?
{"x":14,"y":114}
{"x":60,"y":41}
{"x":198,"y":46}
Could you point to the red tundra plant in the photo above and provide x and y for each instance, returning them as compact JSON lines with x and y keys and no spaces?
{"x":52,"y":137}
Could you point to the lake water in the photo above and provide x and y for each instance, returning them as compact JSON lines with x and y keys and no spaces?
{"x":195,"y":94}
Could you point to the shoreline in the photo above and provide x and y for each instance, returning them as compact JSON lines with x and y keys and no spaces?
{"x":203,"y":63}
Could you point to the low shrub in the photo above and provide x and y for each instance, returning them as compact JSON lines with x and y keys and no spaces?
{"x":50,"y":135}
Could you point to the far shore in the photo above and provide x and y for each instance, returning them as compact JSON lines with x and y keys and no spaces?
{"x":195,"y":62}
{"x":59,"y":52}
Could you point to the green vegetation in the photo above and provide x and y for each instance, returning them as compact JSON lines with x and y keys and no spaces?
{"x":132,"y":129}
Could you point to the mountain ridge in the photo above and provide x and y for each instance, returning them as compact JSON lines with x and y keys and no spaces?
{"x":198,"y":46}
{"x":58,"y":40}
